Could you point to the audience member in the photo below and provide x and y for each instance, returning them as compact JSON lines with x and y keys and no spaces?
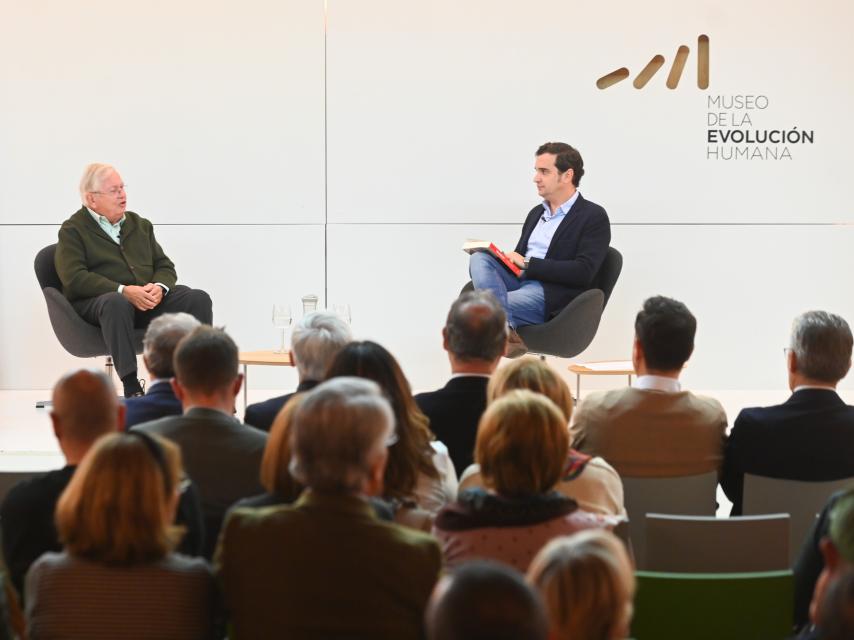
{"x":221,"y":454}
{"x":419,"y":470}
{"x":810,"y":436}
{"x":316,"y":340}
{"x":327,"y":567}
{"x":522,"y":445}
{"x":117,"y":576}
{"x":590,"y":481}
{"x":161,"y":338}
{"x":836,"y":613}
{"x":654,"y":428}
{"x":485,"y":601}
{"x":828,"y":549}
{"x":85,"y":407}
{"x":475,"y":336}
{"x":587,"y":582}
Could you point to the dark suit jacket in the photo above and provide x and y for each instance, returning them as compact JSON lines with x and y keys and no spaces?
{"x":221,"y":455}
{"x":261,"y":414}
{"x":26,"y":517}
{"x":325,"y":567}
{"x":454,"y":412}
{"x":158,"y":402}
{"x":808,"y":437}
{"x":575,"y":254}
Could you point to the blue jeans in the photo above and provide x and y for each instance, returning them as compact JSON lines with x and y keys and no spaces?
{"x":523,"y":300}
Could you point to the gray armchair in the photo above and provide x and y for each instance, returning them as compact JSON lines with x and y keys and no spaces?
{"x":572,"y":330}
{"x":78,"y":337}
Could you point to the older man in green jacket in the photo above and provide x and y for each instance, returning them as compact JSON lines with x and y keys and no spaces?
{"x":114,"y":272}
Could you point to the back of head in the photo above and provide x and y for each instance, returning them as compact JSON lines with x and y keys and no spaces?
{"x":535,"y":375}
{"x":836,"y":612}
{"x":485,"y":601}
{"x":587,"y":584}
{"x":522,"y":444}
{"x":206,"y":360}
{"x":161,"y":337}
{"x":116,"y":509}
{"x":665,"y":330}
{"x":316,"y":340}
{"x":821,"y":342}
{"x":841,"y":529}
{"x":86,"y":405}
{"x":476,"y":328}
{"x":339,"y":430}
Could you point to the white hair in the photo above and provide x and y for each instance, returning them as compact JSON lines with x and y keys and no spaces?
{"x":316,"y":340}
{"x":93,"y":176}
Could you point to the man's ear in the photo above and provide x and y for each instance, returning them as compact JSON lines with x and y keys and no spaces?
{"x":792,"y":361}
{"x":178,"y":390}
{"x":121,"y":416}
{"x":445,"y":338}
{"x":57,"y":425}
{"x":568,"y":175}
{"x":830,"y":553}
{"x":238,"y":383}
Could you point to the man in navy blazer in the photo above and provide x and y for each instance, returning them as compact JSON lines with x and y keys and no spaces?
{"x":809,"y":437}
{"x":563,"y":244}
{"x":161,"y":337}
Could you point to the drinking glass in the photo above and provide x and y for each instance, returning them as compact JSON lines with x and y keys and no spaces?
{"x":282,"y":319}
{"x":342,"y":310}
{"x":309,"y":303}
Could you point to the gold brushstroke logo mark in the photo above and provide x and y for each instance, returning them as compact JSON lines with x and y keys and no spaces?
{"x":657,"y":62}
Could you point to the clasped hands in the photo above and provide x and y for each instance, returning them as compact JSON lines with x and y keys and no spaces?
{"x":145,"y":297}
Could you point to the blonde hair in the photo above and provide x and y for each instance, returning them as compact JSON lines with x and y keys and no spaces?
{"x":116,"y":509}
{"x":522,"y":444}
{"x":276,"y":477}
{"x":587,"y":583}
{"x":93,"y":176}
{"x":535,"y":375}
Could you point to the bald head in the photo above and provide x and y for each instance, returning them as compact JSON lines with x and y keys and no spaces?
{"x":85,"y":407}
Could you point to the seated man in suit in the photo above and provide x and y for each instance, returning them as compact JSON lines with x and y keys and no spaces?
{"x":315,"y":341}
{"x":327,"y":567}
{"x":161,"y":338}
{"x":221,"y":455}
{"x":475,"y":336}
{"x":114,"y":272}
{"x":655,"y":428}
{"x":811,"y":435}
{"x":85,"y":408}
{"x":563,"y":244}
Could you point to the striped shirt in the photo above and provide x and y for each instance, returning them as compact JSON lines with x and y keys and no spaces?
{"x":72,"y":598}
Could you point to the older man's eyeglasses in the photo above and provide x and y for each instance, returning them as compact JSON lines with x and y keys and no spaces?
{"x":115,"y":191}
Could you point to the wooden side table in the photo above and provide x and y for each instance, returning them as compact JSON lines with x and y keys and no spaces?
{"x":264,"y":358}
{"x":606,"y":368}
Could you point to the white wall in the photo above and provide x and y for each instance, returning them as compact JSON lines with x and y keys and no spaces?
{"x":279,"y":157}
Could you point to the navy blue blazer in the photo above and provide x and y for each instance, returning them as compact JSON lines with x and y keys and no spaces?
{"x":809,"y":437}
{"x":454,"y":412}
{"x":158,"y":402}
{"x":261,"y":414}
{"x":576,"y":253}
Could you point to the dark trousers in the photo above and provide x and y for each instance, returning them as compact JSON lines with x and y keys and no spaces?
{"x":118,"y":318}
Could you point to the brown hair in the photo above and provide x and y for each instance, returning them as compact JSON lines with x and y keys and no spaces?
{"x":412,"y":453}
{"x":535,"y":375}
{"x":206,"y":360}
{"x":116,"y":509}
{"x":275,"y":473}
{"x":522,"y":443}
{"x":587,"y":584}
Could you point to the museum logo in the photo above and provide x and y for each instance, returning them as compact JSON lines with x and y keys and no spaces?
{"x":657,"y":62}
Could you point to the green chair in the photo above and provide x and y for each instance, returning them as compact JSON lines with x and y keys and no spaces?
{"x":713,"y":606}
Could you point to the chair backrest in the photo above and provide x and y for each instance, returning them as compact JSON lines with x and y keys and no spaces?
{"x":682,"y":495}
{"x":46,"y":269}
{"x":705,"y":544}
{"x":608,"y":273}
{"x":802,"y":500}
{"x":734,"y":606}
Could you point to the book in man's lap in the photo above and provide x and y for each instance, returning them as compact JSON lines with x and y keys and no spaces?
{"x":470,"y":246}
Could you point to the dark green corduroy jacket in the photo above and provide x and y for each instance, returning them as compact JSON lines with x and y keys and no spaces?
{"x":90,"y":263}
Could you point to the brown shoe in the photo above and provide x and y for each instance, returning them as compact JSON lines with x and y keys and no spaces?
{"x":516,"y":347}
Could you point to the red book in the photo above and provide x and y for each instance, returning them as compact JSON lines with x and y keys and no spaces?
{"x":470,"y":246}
